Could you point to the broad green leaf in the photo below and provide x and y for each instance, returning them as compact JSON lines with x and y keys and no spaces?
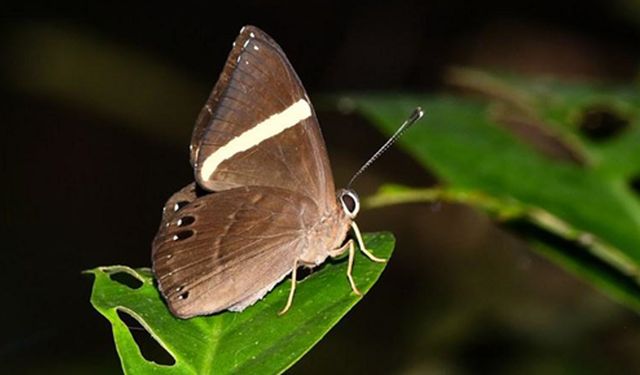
{"x":569,"y":252}
{"x":586,"y":200}
{"x":255,"y":341}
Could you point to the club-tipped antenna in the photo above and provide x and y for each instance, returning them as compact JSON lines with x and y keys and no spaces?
{"x":415,"y":116}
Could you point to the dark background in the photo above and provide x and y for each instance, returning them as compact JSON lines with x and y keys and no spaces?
{"x":98,"y":105}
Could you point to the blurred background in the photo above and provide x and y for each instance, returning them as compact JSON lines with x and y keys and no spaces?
{"x":99,"y":103}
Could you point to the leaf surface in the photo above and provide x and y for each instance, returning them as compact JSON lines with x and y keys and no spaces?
{"x":255,"y":341}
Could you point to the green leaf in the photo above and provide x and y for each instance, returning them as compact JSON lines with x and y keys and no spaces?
{"x":581,"y":201}
{"x":255,"y":341}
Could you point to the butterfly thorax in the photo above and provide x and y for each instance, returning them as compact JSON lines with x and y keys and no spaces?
{"x":331,"y":230}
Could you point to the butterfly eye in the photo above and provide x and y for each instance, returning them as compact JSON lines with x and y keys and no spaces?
{"x":350,"y":203}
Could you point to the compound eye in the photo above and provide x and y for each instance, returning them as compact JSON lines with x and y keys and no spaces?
{"x":350,"y":203}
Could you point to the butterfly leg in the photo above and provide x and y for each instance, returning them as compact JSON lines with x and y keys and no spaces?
{"x":366,"y":252}
{"x":352,"y":254}
{"x":339,"y":251}
{"x":293,"y":288}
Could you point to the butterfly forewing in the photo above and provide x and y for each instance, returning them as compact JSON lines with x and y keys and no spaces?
{"x":258,"y":126}
{"x":206,"y":113}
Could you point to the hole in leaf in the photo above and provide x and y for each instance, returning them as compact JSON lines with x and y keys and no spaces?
{"x":635,"y":184}
{"x":127,"y":279}
{"x":187,"y":220}
{"x":183,"y":235}
{"x":539,"y":136}
{"x":151,"y":350}
{"x":600,"y":123}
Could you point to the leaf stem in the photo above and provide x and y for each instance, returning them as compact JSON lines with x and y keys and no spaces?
{"x":506,"y":209}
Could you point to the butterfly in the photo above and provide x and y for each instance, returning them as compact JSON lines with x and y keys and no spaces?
{"x":263,"y":202}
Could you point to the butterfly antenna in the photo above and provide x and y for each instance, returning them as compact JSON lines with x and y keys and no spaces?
{"x":415,"y":116}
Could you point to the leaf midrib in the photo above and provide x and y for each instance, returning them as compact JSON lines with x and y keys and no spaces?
{"x":214,"y":333}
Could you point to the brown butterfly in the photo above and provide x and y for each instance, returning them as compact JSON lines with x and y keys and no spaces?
{"x":269,"y":204}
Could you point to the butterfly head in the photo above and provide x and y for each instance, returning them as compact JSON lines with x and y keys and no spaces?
{"x":349,"y":202}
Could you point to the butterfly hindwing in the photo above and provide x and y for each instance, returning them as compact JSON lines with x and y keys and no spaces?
{"x":226,"y":250}
{"x":178,"y":200}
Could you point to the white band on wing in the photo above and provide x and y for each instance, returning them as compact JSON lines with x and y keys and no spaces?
{"x":268,"y":128}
